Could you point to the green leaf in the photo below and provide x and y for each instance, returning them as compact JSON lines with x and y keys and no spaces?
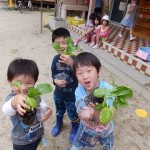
{"x":68,"y":51}
{"x":44,"y":88}
{"x":69,"y":41}
{"x":123,"y":91}
{"x":100,"y":92}
{"x":57,"y":47}
{"x":119,"y":102}
{"x":113,"y":82}
{"x":106,"y":115}
{"x":33,"y":92}
{"x":70,"y":47}
{"x":100,"y":106}
{"x":31,"y":102}
{"x":16,"y":84}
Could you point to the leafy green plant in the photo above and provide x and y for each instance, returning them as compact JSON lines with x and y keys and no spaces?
{"x":70,"y":47}
{"x":118,"y":96}
{"x":32,"y":99}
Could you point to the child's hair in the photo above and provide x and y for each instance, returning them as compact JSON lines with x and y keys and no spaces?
{"x":92,"y":17}
{"x":60,"y":32}
{"x":21,"y":66}
{"x":86,"y":59}
{"x":99,"y":19}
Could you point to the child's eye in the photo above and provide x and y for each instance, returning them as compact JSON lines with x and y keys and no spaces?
{"x":89,"y":70}
{"x":79,"y":73}
{"x":30,"y":83}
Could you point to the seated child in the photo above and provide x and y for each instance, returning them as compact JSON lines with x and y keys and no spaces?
{"x":92,"y":35}
{"x":103,"y":32}
{"x":89,"y":27}
{"x":24,"y":137}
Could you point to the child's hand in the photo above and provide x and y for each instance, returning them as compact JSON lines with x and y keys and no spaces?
{"x":18,"y":103}
{"x":96,"y":112}
{"x":66,"y":59}
{"x":61,"y":83}
{"x":87,"y":114}
{"x":46,"y":114}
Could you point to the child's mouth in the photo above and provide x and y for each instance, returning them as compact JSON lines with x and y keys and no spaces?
{"x":24,"y":92}
{"x":87,"y":83}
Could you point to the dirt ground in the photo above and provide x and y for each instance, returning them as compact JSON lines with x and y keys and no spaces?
{"x":20,"y":37}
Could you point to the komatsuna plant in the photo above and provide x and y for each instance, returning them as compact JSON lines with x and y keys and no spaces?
{"x":118,"y":96}
{"x":70,"y":47}
{"x":32,"y":99}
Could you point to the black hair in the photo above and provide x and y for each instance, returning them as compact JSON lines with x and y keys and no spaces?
{"x":99,"y":19}
{"x":86,"y":59}
{"x":92,"y":17}
{"x":21,"y":66}
{"x":60,"y":32}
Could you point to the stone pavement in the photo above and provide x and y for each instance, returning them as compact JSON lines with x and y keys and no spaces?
{"x":123,"y":48}
{"x":133,"y":70}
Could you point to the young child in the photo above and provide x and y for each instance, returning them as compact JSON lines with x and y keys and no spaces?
{"x":89,"y":27}
{"x":128,"y":20}
{"x":24,"y":137}
{"x":87,"y":68}
{"x":103,"y":32}
{"x":93,"y":33}
{"x":65,"y":84}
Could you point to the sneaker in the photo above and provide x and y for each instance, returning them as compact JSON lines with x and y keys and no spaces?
{"x":132,"y":38}
{"x":95,"y":46}
{"x":120,"y":35}
{"x":92,"y":44}
{"x":85,"y":41}
{"x":76,"y":44}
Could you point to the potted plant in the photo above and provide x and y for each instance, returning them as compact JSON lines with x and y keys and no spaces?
{"x":32,"y":100}
{"x":119,"y":96}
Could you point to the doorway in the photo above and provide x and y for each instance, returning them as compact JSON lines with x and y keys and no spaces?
{"x":118,"y":10}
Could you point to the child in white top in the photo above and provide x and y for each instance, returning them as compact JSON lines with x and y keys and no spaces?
{"x":24,"y":136}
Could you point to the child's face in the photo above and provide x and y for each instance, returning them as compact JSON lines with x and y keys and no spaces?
{"x":134,"y":2}
{"x":87,"y":77}
{"x":62,"y":42}
{"x":96,"y":22}
{"x":26,"y":81}
{"x":104,"y":22}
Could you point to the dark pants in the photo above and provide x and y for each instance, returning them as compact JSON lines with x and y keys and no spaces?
{"x":62,"y":105}
{"x":32,"y":146}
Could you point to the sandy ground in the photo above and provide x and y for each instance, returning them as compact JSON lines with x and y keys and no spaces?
{"x":20,"y":37}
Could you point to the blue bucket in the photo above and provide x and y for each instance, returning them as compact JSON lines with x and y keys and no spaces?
{"x":143,"y":53}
